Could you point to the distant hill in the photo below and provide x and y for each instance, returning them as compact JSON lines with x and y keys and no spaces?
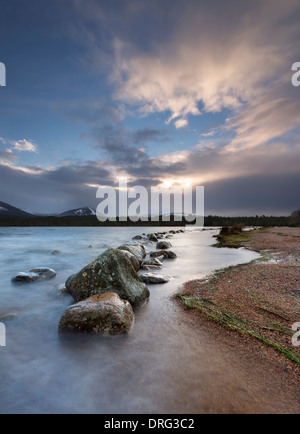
{"x":7,"y":210}
{"x":79,"y":212}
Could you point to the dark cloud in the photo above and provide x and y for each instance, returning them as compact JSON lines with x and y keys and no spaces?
{"x":253,"y":195}
{"x":9,"y":156}
{"x":147,"y":134}
{"x":91,"y":112}
{"x":52,"y":191}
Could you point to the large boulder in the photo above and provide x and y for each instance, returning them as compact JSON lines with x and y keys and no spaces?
{"x":137,"y":250}
{"x":105,"y":314}
{"x":110,"y":272}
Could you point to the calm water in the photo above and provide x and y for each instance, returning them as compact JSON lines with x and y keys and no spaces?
{"x":161,"y":367}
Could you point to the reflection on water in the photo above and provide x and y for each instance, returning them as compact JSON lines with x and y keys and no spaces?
{"x":161,"y":367}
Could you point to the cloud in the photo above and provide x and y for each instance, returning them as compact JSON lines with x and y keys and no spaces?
{"x":24,"y":146}
{"x":53,"y":190}
{"x":238,"y":60}
{"x":91,"y":112}
{"x":19,"y":145}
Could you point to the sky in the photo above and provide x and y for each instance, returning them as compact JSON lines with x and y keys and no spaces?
{"x":162,"y":92}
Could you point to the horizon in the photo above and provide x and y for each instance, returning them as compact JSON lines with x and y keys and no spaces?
{"x":164,"y":93}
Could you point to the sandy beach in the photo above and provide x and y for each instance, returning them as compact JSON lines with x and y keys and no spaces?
{"x":250,"y":309}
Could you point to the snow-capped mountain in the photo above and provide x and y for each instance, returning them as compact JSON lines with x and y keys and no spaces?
{"x":79,"y":212}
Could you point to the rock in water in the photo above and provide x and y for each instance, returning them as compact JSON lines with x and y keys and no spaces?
{"x":150,"y":267}
{"x":34,"y":275}
{"x":138,"y":237}
{"x":44,"y":273}
{"x":110,"y":272}
{"x":154,"y":278}
{"x":136,"y":250}
{"x":105,"y":314}
{"x":155,"y":261}
{"x":133,"y":260}
{"x":163,"y":245}
{"x":152,"y":237}
{"x":168,"y":254}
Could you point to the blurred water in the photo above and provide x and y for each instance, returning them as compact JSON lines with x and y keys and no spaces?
{"x":161,"y":367}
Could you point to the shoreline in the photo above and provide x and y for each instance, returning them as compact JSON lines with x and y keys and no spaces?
{"x":253,"y":304}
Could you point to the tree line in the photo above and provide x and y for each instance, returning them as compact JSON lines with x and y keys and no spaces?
{"x":210,"y":221}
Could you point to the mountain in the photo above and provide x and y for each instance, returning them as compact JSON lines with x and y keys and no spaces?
{"x":79,"y":212}
{"x":7,"y":210}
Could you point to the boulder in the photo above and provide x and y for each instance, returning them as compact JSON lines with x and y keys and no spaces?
{"x":110,"y":272}
{"x":150,"y":267}
{"x":34,"y":275}
{"x":133,"y":260}
{"x":137,"y":250}
{"x":168,"y":254}
{"x":163,"y":245}
{"x":151,"y":278}
{"x":152,"y":237}
{"x":138,"y":237}
{"x":154,"y":261}
{"x":105,"y":314}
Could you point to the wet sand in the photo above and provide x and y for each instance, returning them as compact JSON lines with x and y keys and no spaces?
{"x":272,"y":378}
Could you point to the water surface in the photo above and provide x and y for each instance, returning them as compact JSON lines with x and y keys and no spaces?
{"x":163,"y":366}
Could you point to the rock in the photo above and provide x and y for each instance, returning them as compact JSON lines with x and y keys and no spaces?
{"x":34,"y":275}
{"x":136,"y":250}
{"x":154,"y":278}
{"x":105,"y":314}
{"x":163,"y":245}
{"x":155,"y":261}
{"x":138,"y":237}
{"x":150,"y":267}
{"x":56,"y":252}
{"x":133,"y":259}
{"x":168,"y":254}
{"x":152,"y":237}
{"x":110,"y":272}
{"x":172,"y":232}
{"x":44,"y":273}
{"x":169,"y":236}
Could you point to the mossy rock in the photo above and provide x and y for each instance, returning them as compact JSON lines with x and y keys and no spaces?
{"x":110,"y":272}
